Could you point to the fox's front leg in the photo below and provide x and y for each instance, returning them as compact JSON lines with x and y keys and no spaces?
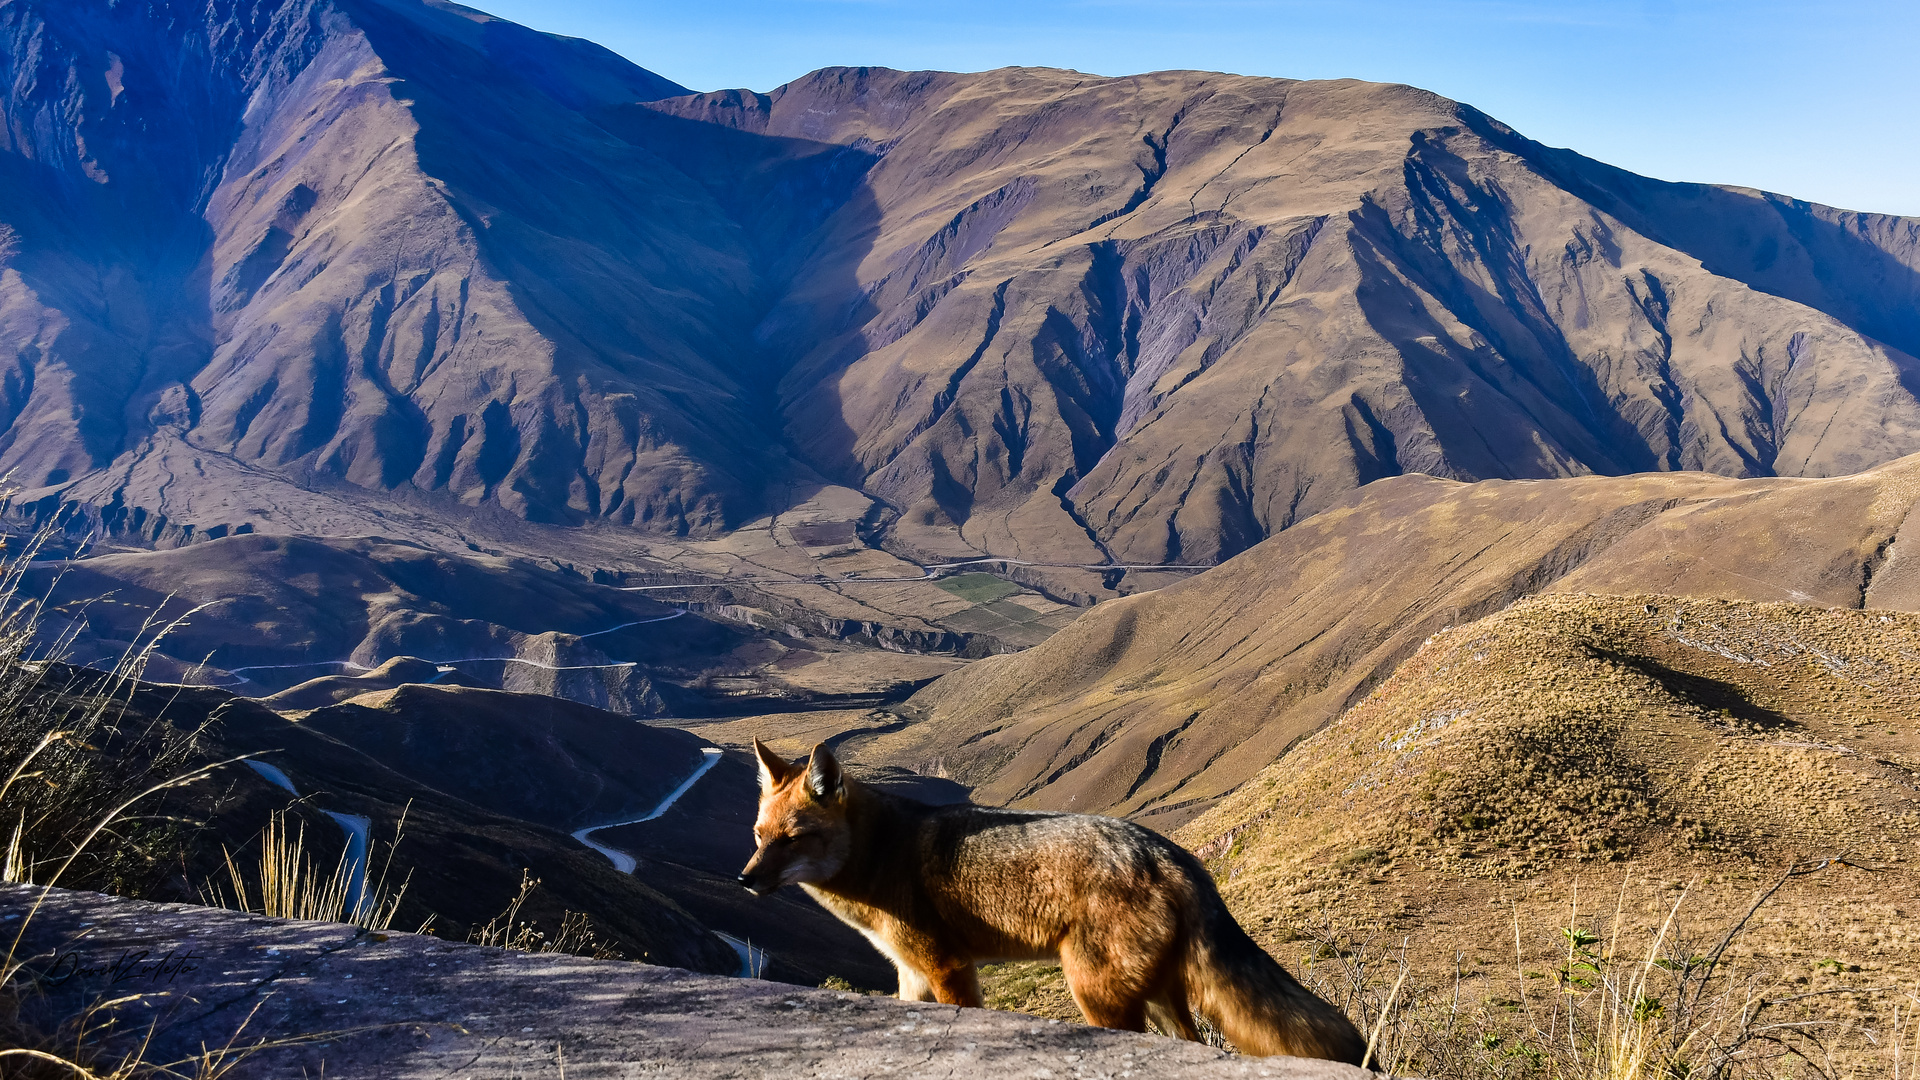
{"x":914,"y":986}
{"x":948,"y":984}
{"x":957,"y":984}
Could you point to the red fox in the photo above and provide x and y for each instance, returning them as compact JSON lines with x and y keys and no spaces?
{"x":1134,"y":919}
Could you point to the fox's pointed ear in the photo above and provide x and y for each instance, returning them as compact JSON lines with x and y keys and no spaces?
{"x":773,"y":770}
{"x":824,"y":780}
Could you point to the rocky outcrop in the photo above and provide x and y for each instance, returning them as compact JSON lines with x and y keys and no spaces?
{"x":404,"y":1006}
{"x":324,"y":266}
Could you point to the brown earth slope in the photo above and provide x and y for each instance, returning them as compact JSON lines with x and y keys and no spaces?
{"x":1591,"y":762}
{"x":1154,"y":705}
{"x":392,"y":266}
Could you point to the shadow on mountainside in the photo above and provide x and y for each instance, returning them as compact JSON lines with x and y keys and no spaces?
{"x":1715,"y":696}
{"x":790,"y":199}
{"x":1778,"y":245}
{"x":670,"y":223}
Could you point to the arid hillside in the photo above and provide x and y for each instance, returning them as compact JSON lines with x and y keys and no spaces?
{"x":1155,"y":705}
{"x":1595,"y":764}
{"x":1597,"y":729}
{"x":394,"y":267}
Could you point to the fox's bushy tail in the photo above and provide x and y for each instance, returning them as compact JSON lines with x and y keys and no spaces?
{"x":1254,"y":1002}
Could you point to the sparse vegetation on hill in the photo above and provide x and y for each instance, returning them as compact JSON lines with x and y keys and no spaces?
{"x":1598,"y":729}
{"x":1553,"y":821}
{"x":1579,"y":758}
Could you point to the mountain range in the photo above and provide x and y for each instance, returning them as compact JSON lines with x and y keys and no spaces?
{"x":395,"y":267}
{"x":1405,"y":516}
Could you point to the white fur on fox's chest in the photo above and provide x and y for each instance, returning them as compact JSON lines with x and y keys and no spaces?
{"x":914,"y":985}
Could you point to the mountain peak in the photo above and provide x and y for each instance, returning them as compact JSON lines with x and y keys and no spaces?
{"x":317,"y":262}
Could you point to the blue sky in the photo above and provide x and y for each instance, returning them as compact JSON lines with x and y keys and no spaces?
{"x":1819,"y":101}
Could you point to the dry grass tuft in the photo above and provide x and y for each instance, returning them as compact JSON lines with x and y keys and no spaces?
{"x":508,"y":931}
{"x":291,"y":886}
{"x":1619,"y":999}
{"x":72,"y":756}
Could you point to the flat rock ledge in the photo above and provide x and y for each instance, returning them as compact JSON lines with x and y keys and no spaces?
{"x":356,"y":1004}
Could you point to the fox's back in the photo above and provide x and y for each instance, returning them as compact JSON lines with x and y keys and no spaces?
{"x":1029,"y":878}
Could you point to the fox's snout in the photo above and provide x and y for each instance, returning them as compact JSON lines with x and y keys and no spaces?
{"x":772,"y":866}
{"x":757,"y":884}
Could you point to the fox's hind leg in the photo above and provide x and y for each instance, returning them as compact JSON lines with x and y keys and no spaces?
{"x":1108,"y":995}
{"x":1171,"y":1013}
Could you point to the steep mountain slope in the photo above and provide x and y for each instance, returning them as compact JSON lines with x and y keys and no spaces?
{"x":366,"y":244}
{"x":1163,"y":317}
{"x":393,"y":266}
{"x":1156,"y":704}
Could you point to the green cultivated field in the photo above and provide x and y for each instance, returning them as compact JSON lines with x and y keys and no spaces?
{"x":979,"y":588}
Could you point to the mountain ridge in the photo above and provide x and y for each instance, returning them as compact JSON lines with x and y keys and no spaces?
{"x":1157,"y":704}
{"x":417,"y":264}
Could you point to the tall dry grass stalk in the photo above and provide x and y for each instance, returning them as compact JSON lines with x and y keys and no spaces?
{"x":1904,"y":1045}
{"x":72,"y":751}
{"x":292,"y":886}
{"x":508,"y":931}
